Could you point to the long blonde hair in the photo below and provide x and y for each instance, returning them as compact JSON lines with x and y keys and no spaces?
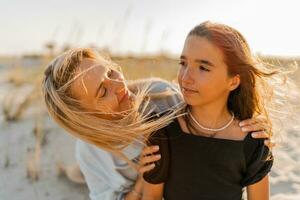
{"x":111,"y":135}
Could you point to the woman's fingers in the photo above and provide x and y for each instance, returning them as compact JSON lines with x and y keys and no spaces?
{"x":149,"y":159}
{"x":258,"y":119}
{"x":260,"y":134}
{"x":253,"y":127}
{"x":150,"y":150}
{"x":146,"y":168}
{"x":270,"y":144}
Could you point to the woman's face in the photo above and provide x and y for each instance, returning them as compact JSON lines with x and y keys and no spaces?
{"x":101,"y":88}
{"x":203,"y":76}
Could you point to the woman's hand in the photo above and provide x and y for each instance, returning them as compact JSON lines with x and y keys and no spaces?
{"x":259,"y":128}
{"x":148,"y":158}
{"x":146,"y":163}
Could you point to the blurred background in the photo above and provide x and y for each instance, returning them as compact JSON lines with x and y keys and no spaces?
{"x":146,"y":38}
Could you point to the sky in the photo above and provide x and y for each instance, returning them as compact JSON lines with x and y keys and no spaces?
{"x":144,"y":26}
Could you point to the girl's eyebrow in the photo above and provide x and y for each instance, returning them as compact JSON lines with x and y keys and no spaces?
{"x":205,"y":62}
{"x":182,"y":57}
{"x":201,"y":61}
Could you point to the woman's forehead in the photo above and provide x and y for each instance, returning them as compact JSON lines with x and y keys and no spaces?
{"x":89,"y":73}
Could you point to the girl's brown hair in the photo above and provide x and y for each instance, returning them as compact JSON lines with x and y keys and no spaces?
{"x":259,"y":82}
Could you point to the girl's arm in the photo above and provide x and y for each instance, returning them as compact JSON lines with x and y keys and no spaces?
{"x":152,"y":191}
{"x":259,"y":190}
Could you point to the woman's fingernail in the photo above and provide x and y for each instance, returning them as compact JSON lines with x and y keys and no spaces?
{"x":158,"y":156}
{"x":241,"y":123}
{"x":156,"y":147}
{"x":244,"y":129}
{"x":254,"y":134}
{"x":152,"y":165}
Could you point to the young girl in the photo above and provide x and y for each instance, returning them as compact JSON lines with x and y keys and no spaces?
{"x":210,"y":157}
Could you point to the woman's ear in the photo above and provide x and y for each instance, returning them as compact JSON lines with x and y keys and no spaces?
{"x":235,"y":82}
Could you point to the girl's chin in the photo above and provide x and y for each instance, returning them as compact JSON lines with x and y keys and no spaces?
{"x":192,"y":101}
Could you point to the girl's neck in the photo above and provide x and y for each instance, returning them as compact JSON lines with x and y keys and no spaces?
{"x":211,"y":116}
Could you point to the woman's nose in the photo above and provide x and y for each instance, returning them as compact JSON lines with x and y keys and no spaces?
{"x":116,"y":82}
{"x":119,"y":85}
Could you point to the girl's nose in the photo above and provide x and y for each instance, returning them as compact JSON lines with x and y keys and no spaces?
{"x":186,"y":76}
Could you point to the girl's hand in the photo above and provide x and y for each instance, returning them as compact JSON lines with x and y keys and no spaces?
{"x":148,"y":158}
{"x":259,"y":128}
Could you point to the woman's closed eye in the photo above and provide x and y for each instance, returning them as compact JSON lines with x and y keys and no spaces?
{"x":102,"y":92}
{"x":110,"y":73}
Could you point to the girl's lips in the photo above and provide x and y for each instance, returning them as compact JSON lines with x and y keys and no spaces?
{"x":184,"y":89}
{"x":188,"y":92}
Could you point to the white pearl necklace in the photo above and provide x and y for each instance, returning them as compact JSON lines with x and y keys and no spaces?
{"x":212,"y":129}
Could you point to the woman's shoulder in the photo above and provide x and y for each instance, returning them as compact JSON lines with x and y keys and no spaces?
{"x":163,"y":95}
{"x":87,"y":153}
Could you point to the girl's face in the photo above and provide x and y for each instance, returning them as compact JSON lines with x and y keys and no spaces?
{"x":101,"y":88}
{"x":203,"y":76}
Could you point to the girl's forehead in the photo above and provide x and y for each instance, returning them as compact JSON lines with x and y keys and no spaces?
{"x":197,"y":47}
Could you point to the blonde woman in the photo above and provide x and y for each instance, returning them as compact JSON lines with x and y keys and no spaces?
{"x":87,"y":95}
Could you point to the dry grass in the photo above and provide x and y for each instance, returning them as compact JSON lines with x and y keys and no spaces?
{"x":26,"y":90}
{"x":136,"y":68}
{"x":34,"y":156}
{"x":15,"y":103}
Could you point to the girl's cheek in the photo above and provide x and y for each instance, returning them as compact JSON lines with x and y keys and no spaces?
{"x":179,"y":78}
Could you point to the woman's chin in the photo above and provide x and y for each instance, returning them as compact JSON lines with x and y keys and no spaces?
{"x":126,"y":105}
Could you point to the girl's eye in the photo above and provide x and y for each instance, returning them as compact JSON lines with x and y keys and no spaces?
{"x":182,"y":63}
{"x":203,"y":68}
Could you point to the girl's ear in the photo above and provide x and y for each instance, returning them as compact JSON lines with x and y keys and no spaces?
{"x":235,"y":82}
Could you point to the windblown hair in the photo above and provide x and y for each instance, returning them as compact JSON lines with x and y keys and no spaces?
{"x":135,"y":125}
{"x":264,"y":90}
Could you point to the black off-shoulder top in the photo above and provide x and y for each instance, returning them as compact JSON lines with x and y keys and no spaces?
{"x":204,"y":168}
